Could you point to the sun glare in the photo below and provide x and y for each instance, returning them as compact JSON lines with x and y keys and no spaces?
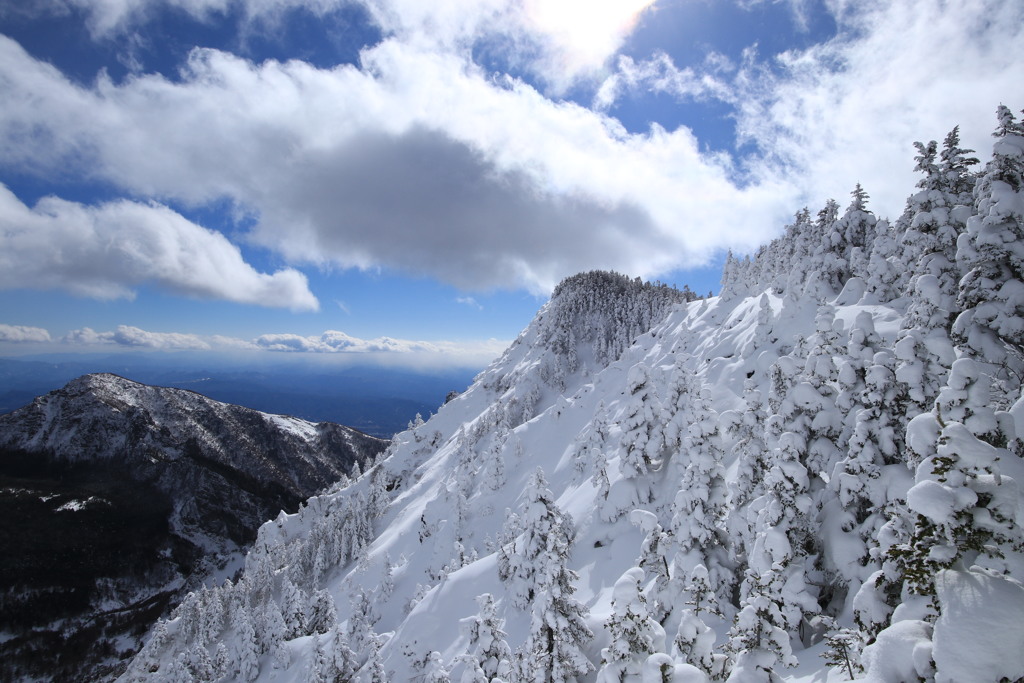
{"x":587,"y":32}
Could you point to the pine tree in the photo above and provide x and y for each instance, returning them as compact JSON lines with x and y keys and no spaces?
{"x":534,"y":567}
{"x":546,"y":531}
{"x":323,"y":614}
{"x":558,"y":629}
{"x":247,"y":655}
{"x":699,"y":505}
{"x":964,"y":513}
{"x":635,"y":635}
{"x":293,"y":609}
{"x":490,"y":658}
{"x":321,"y":669}
{"x":694,"y":641}
{"x":435,"y":671}
{"x":373,"y":670}
{"x":991,"y":254}
{"x":759,"y":641}
{"x":641,"y":429}
{"x":654,"y":560}
{"x":345,"y":660}
{"x":272,"y":634}
{"x":749,"y":450}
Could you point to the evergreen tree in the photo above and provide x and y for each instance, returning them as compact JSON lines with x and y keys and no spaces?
{"x":964,"y":513}
{"x":534,"y":567}
{"x":344,"y":659}
{"x":247,"y":655}
{"x":635,"y":635}
{"x":490,"y":658}
{"x":435,"y":671}
{"x":699,"y":505}
{"x":759,"y":641}
{"x":373,"y":670}
{"x":991,"y":254}
{"x":293,"y":609}
{"x":547,"y":532}
{"x":655,"y":561}
{"x":694,"y":641}
{"x":558,"y":628}
{"x":321,"y":669}
{"x":641,"y":430}
{"x":323,"y":613}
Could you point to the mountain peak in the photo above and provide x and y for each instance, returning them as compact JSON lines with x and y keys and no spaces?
{"x":160,"y":485}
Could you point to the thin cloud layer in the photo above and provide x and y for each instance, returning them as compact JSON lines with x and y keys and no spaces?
{"x":331,"y":342}
{"x":133,"y":337}
{"x":105,"y":251}
{"x":560,"y":42}
{"x":848,"y":110}
{"x":21,"y":333}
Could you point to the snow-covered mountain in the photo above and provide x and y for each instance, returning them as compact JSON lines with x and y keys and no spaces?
{"x":121,"y":494}
{"x":813,"y":476}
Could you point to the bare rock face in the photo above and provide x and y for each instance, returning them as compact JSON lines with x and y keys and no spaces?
{"x":117,"y":496}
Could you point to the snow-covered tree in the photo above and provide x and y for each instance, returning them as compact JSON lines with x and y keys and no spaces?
{"x":247,"y":653}
{"x":758,"y":641}
{"x":558,"y":628}
{"x":695,"y":640}
{"x":546,"y":533}
{"x":641,"y":428}
{"x":654,"y":560}
{"x":698,"y":509}
{"x":534,"y":568}
{"x":490,"y":658}
{"x":965,"y":514}
{"x":991,"y":254}
{"x":635,"y":635}
{"x":435,"y":670}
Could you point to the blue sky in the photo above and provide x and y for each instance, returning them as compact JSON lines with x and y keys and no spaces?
{"x":411,"y":179}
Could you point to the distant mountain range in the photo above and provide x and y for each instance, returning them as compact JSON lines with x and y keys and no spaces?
{"x":376,"y":400}
{"x":116,"y":496}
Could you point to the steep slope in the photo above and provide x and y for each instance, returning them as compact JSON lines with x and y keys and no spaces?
{"x":820,"y":462}
{"x":117,"y":495}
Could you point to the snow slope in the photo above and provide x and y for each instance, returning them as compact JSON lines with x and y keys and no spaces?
{"x":811,"y":476}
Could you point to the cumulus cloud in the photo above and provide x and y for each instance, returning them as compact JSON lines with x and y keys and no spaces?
{"x":105,"y":251}
{"x":420,"y":160}
{"x":417,"y":161}
{"x":22,"y":333}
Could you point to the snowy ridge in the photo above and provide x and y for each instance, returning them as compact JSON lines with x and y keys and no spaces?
{"x":816,"y":470}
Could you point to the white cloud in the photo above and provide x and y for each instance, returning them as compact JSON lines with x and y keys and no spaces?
{"x":469,"y":301}
{"x":22,"y":333}
{"x":105,"y":251}
{"x":849,"y":110}
{"x":659,"y":74}
{"x":420,"y":161}
{"x":559,"y":40}
{"x":331,"y":342}
{"x":126,"y":335}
